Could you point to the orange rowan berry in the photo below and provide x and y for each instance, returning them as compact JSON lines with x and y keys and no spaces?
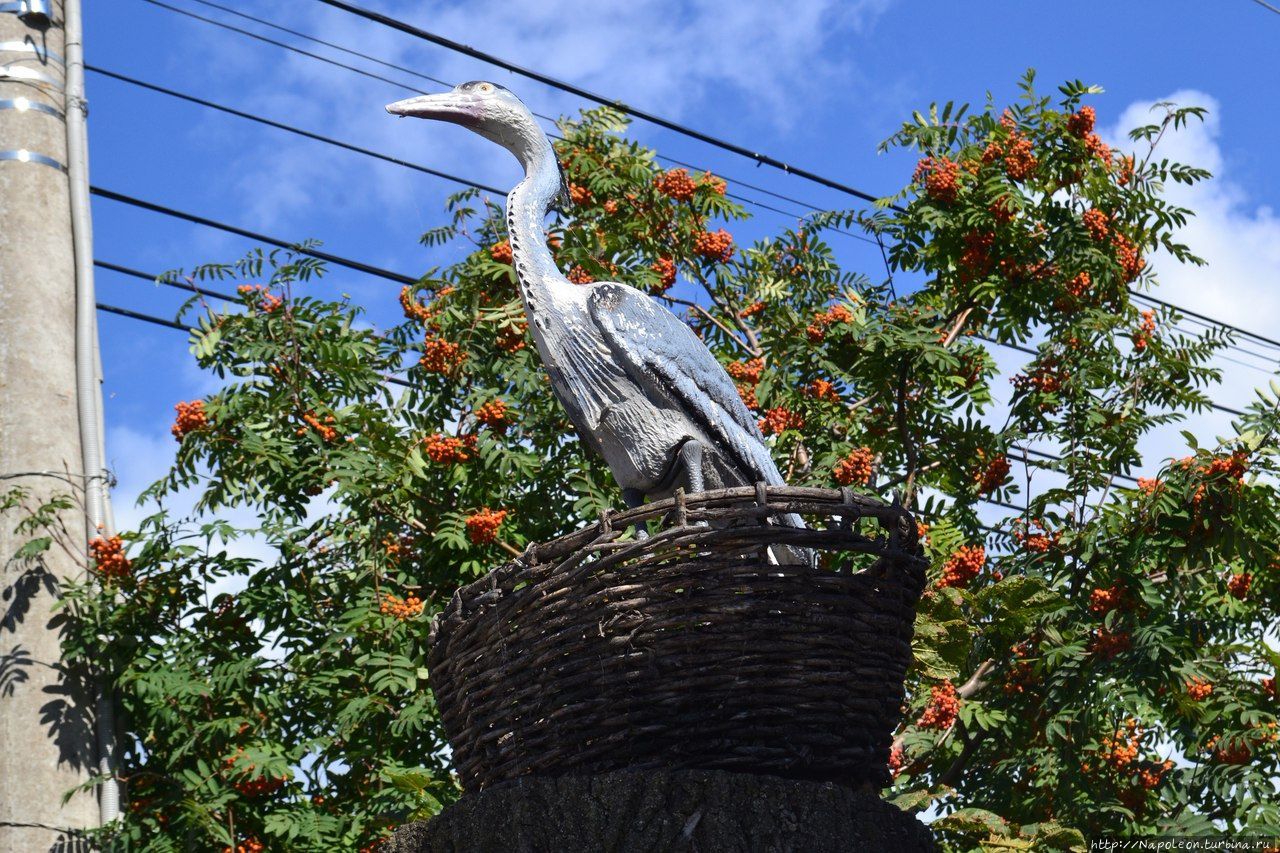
{"x":1097,"y":223}
{"x":1126,"y":170}
{"x":1238,"y":585}
{"x":1127,"y":255}
{"x":501,"y":252}
{"x":494,"y":414}
{"x":260,"y":297}
{"x":1019,"y":160}
{"x":1079,"y":284}
{"x":1108,"y":644}
{"x":1199,"y":689}
{"x":191,"y":417}
{"x":449,"y":450}
{"x":511,"y":337}
{"x":324,"y":426}
{"x":579,"y":194}
{"x":943,"y":707}
{"x":1002,"y":210}
{"x":992,"y":475}
{"x":1096,"y":147}
{"x":1104,"y":600}
{"x":780,"y":419}
{"x":108,"y":557}
{"x":666,"y":270}
{"x":441,"y":356}
{"x":1142,"y":336}
{"x":714,"y":246}
{"x":897,"y":758}
{"x":821,"y":389}
{"x":856,"y":467}
{"x":675,"y":184}
{"x":1148,"y":485}
{"x":717,"y":185}
{"x":746,"y":371}
{"x":413,"y":309}
{"x":400,"y":608}
{"x":611,"y":207}
{"x":482,"y":526}
{"x":579,"y":275}
{"x":1080,"y":124}
{"x":941,"y":178}
{"x":963,"y":566}
{"x":751,"y":310}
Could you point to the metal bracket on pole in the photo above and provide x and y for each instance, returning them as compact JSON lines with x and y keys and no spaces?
{"x":34,"y":12}
{"x":22,"y":155}
{"x":25,"y":74}
{"x":42,"y":54}
{"x":23,"y":105}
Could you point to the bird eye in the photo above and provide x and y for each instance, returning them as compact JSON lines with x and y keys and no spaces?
{"x":485,"y":87}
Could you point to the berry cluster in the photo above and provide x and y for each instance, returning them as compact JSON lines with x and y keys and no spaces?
{"x":259,"y":296}
{"x":897,"y":758}
{"x":191,"y":417}
{"x":716,"y":185}
{"x":751,"y":310}
{"x":1103,"y":600}
{"x":746,"y":376}
{"x":511,"y":337}
{"x":714,"y":245}
{"x":821,"y":389}
{"x":448,"y":450}
{"x":1080,"y":124}
{"x":610,"y":207}
{"x":249,"y":845}
{"x":780,"y":419}
{"x":940,"y":178}
{"x":944,"y":705}
{"x":579,"y":275}
{"x":1199,"y":689}
{"x":1237,"y":752}
{"x":1148,"y":485}
{"x":1019,"y":159}
{"x":482,"y":526}
{"x":413,"y":309}
{"x":857,"y":467}
{"x":494,"y":414}
{"x":501,"y":252}
{"x":666,"y":270}
{"x":1002,"y":210}
{"x":108,"y":556}
{"x":441,"y":356}
{"x":400,"y":608}
{"x":1097,"y":223}
{"x":246,"y":785}
{"x":1121,"y":749}
{"x":324,"y":426}
{"x":1125,"y":174}
{"x":1021,"y":674}
{"x":1078,"y":286}
{"x":1127,"y":255}
{"x":991,"y":476}
{"x":817,"y":330}
{"x":1107,"y":644}
{"x":963,"y":566}
{"x":1152,"y":775}
{"x":579,"y":194}
{"x":1238,"y":585}
{"x":1040,"y":542}
{"x":676,"y":184}
{"x":975,"y":260}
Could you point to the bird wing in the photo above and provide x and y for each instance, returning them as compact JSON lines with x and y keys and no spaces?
{"x":658,"y":351}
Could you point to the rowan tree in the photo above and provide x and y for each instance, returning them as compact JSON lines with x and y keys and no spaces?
{"x":1097,"y":663}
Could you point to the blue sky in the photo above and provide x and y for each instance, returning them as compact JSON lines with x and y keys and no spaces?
{"x":817,"y":84}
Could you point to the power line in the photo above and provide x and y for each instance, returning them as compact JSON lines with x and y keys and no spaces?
{"x":328,"y":140}
{"x":761,"y":159}
{"x":146,"y":318}
{"x":407,"y":87}
{"x":1267,"y":5}
{"x":598,"y":99}
{"x":358,"y":266}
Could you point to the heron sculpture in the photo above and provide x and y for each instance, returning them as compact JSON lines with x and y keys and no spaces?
{"x":641,"y":388}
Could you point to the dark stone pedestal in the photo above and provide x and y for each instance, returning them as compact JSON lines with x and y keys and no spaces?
{"x":655,"y":811}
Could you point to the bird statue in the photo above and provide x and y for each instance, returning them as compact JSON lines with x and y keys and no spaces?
{"x":640,"y":387}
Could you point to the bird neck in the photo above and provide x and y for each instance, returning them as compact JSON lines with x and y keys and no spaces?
{"x":527,"y":207}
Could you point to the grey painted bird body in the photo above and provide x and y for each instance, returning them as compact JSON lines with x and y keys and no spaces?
{"x":641,"y":388}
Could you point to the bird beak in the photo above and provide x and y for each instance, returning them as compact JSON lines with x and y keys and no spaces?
{"x":449,"y":106}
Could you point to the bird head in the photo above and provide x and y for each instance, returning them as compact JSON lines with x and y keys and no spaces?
{"x":490,"y":110}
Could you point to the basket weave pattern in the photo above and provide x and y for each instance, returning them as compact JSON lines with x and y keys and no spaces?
{"x":689,"y":649}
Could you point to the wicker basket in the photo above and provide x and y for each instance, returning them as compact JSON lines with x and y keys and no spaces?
{"x":689,"y":649}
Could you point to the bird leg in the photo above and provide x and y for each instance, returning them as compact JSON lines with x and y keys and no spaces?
{"x":634,"y":498}
{"x":690,"y":457}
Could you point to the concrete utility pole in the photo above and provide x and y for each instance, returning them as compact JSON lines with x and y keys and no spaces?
{"x":46,"y":722}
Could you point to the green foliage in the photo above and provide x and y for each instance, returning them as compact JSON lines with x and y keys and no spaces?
{"x":282,"y":697}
